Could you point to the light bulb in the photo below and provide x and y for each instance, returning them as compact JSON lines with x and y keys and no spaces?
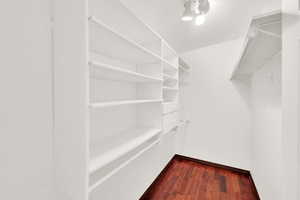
{"x":188,"y":14}
{"x":199,"y":20}
{"x":186,"y":18}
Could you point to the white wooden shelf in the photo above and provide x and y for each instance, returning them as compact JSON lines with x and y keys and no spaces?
{"x":174,"y":111}
{"x":171,"y":128}
{"x":169,"y":78}
{"x":126,"y":22}
{"x":169,"y":102}
{"x":124,"y":102}
{"x":183,"y":69}
{"x":169,"y":67}
{"x":117,"y":146}
{"x":124,"y":164}
{"x":106,"y":71}
{"x":262,"y":43}
{"x":170,"y":89}
{"x":105,"y":40}
{"x":169,"y":50}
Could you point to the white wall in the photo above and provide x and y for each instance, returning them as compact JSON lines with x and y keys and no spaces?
{"x":25,"y":109}
{"x":290,"y":98}
{"x":267,"y":130}
{"x":219,"y":113}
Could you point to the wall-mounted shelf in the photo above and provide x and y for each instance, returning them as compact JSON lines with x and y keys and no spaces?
{"x":124,"y":146}
{"x":183,"y":69}
{"x":171,"y":129}
{"x":122,"y":103}
{"x":169,"y":67}
{"x":170,"y":89}
{"x":262,"y":43}
{"x":170,"y":78}
{"x":105,"y":71}
{"x":119,"y":145}
{"x":105,"y":40}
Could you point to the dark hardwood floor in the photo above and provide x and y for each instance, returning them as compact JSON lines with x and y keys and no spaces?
{"x":187,"y":179}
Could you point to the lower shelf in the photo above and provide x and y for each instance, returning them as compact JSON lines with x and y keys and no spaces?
{"x":118,"y":151}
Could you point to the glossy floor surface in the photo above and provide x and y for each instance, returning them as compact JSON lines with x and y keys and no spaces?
{"x":185,"y":179}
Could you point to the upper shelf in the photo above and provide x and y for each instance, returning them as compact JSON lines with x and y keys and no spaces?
{"x":263,"y":42}
{"x":109,"y":42}
{"x":122,"y":19}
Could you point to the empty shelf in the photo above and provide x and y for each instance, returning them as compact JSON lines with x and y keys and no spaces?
{"x":116,"y":73}
{"x":169,"y":78}
{"x":109,"y":42}
{"x":124,"y":164}
{"x":169,"y":67}
{"x":120,"y":103}
{"x":119,"y":145}
{"x":170,"y":89}
{"x":171,"y":128}
{"x":183,"y":69}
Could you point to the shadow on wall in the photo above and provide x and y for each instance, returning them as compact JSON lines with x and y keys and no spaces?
{"x":244,"y":89}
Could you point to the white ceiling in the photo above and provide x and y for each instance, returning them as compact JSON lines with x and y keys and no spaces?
{"x":227,"y":19}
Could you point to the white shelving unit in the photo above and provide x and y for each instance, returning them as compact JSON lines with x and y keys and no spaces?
{"x":170,"y":91}
{"x":121,"y":81}
{"x":262,"y":43}
{"x":184,"y":79}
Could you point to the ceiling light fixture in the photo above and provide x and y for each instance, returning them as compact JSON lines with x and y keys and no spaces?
{"x":195,"y":10}
{"x":188,"y":14}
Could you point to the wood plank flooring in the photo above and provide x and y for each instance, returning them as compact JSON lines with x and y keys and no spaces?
{"x":185,"y":179}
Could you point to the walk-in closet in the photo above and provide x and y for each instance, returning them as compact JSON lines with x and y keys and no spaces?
{"x":150,"y":100}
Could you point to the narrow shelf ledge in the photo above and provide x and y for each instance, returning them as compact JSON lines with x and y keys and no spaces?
{"x":118,"y":45}
{"x":169,"y":78}
{"x":106,"y":71}
{"x":183,"y":69}
{"x":169,"y":67}
{"x":169,"y":102}
{"x":171,"y":128}
{"x":125,"y":102}
{"x":170,"y":89}
{"x":171,"y":112}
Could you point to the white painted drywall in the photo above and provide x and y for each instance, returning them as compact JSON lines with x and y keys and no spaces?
{"x":290,"y":98}
{"x":266,"y":135}
{"x":164,"y":16}
{"x":26,"y":101}
{"x":220,"y":121}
